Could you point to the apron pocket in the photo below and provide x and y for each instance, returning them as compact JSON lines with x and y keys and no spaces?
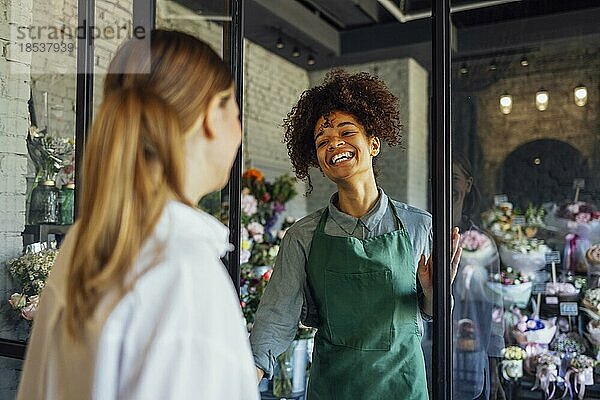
{"x":360,"y":309}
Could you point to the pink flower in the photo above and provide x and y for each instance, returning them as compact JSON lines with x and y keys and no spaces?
{"x":254,"y":228}
{"x":28,"y":312}
{"x":522,"y":326}
{"x":249,"y":204}
{"x":473,"y":240}
{"x":258,"y":238}
{"x":583,"y":218}
{"x":573,"y":208}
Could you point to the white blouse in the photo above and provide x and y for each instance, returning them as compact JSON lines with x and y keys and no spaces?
{"x":178,"y":334}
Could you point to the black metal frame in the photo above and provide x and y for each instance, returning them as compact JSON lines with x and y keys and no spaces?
{"x":233,"y":53}
{"x":442,"y":201}
{"x":144,"y":15}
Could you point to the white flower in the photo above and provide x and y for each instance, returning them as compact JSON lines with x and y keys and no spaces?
{"x":18,"y":300}
{"x":258,"y":238}
{"x":254,"y":228}
{"x":244,"y":256}
{"x":273,"y":251}
{"x":249,"y":204}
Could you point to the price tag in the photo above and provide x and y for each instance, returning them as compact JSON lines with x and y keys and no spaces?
{"x":538,"y":288}
{"x":551,"y":300}
{"x":568,"y":308}
{"x":552,"y":257}
{"x":518,"y":220}
{"x":500,"y":198}
{"x":578,"y":183}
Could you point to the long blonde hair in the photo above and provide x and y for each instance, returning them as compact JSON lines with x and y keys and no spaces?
{"x":134,"y":159}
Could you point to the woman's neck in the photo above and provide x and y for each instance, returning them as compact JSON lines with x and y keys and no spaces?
{"x":357,"y":200}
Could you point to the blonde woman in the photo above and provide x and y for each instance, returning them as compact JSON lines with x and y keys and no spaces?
{"x":138,"y":305}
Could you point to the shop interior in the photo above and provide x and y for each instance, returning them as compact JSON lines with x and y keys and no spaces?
{"x":525,"y":116}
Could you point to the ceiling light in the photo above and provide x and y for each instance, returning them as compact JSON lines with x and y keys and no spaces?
{"x":463,"y":69}
{"x":492,"y":66}
{"x":311,"y":60}
{"x":541,"y":100}
{"x":279,"y":43}
{"x":506,"y":103}
{"x":537,"y":161}
{"x":580,"y":95}
{"x":295,"y":52}
{"x":524,"y":61}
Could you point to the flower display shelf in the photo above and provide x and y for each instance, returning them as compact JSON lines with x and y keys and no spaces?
{"x":40,"y":233}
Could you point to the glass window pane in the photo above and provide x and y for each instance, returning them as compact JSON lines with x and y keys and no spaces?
{"x":114,"y":25}
{"x":37,"y":132}
{"x":288,"y":50}
{"x":37,"y":136}
{"x":525,"y":189}
{"x":204,"y":20}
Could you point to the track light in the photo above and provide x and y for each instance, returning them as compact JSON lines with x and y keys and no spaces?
{"x":541,"y":100}
{"x":524,"y":61}
{"x":463,"y":69}
{"x":311,"y":60}
{"x":580,"y":95}
{"x":506,"y":103}
{"x":279,"y":43}
{"x":295,"y":52}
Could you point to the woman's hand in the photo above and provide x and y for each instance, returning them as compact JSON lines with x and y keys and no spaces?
{"x":425,"y":271}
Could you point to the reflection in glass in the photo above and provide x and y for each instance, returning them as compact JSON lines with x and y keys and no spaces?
{"x":529,"y":129}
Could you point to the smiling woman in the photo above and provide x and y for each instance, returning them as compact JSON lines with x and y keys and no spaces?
{"x":356,"y":269}
{"x":335,"y":106}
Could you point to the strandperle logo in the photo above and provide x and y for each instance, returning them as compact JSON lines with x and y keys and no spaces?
{"x":65,"y":32}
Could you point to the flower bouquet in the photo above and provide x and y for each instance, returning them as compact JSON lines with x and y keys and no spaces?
{"x":262,"y":203}
{"x":579,"y":217}
{"x":478,"y":249}
{"x":30,"y":271}
{"x":499,"y":221}
{"x":512,"y":363}
{"x":546,"y":375}
{"x":581,"y":368}
{"x":591,"y":303}
{"x":528,"y":255}
{"x":568,"y":343}
{"x":533,"y":330}
{"x":513,"y":286}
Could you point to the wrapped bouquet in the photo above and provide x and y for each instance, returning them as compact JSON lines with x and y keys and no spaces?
{"x":578,"y":217}
{"x":525,"y":254}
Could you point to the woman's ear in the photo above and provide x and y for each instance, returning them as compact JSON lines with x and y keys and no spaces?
{"x":214,"y":113}
{"x":469,"y":184}
{"x":375,"y":146}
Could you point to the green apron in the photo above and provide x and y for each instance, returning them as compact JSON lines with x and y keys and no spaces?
{"x":368,"y":345}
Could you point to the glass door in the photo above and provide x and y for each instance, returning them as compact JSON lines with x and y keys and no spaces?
{"x":525,"y":157}
{"x":293,"y":47}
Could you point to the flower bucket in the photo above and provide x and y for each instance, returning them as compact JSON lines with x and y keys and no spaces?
{"x":512,"y":369}
{"x":513,"y":294}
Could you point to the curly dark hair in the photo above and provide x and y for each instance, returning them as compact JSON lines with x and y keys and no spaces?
{"x":364,"y":96}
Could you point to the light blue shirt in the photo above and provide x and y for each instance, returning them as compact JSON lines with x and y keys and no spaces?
{"x":287,"y":298}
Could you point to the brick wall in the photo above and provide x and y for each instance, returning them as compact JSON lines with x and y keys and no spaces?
{"x":271,"y":87}
{"x":563,"y":120}
{"x":14,"y":94}
{"x":404,"y":170}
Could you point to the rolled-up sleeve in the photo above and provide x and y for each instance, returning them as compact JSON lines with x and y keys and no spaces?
{"x":281,"y":306}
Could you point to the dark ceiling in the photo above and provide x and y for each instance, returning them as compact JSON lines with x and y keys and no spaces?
{"x":337,"y":32}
